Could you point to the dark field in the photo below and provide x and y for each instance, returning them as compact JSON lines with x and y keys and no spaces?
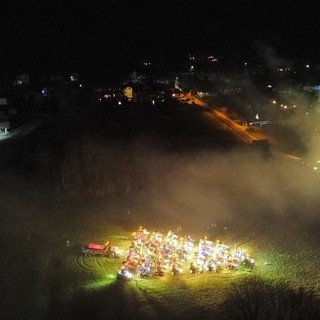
{"x":100,"y":178}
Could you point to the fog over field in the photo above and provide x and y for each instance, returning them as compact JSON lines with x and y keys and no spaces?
{"x":196,"y":189}
{"x":209,"y":188}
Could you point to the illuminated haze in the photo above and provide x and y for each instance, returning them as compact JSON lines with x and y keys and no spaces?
{"x":234,"y":189}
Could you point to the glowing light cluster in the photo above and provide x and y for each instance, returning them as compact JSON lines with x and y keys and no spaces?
{"x":153,"y":253}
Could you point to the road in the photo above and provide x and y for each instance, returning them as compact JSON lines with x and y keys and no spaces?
{"x":23,"y":129}
{"x":239,"y":131}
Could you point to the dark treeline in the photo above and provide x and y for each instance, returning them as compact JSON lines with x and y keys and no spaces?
{"x":98,"y":150}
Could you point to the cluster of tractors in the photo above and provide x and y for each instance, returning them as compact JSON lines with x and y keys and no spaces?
{"x":212,"y":256}
{"x":153,"y":253}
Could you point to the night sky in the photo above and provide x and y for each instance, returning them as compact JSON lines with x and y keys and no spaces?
{"x":108,"y":36}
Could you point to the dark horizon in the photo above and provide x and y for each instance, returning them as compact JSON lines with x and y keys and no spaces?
{"x":109,"y":37}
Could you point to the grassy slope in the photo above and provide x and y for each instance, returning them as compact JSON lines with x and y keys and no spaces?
{"x":49,"y":279}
